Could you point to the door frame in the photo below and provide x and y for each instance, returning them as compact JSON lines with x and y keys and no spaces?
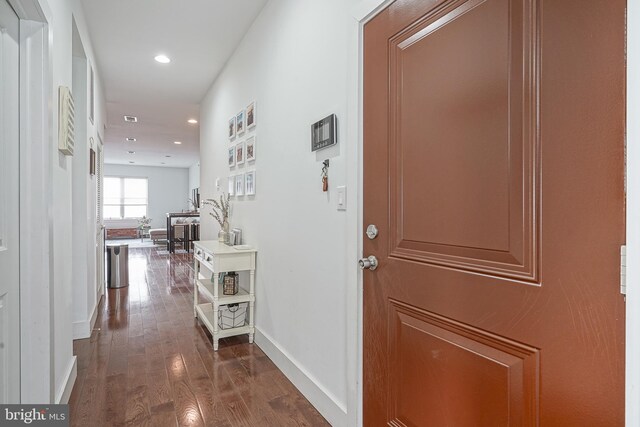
{"x":633,"y":216}
{"x":362,"y":13}
{"x":36,"y":222}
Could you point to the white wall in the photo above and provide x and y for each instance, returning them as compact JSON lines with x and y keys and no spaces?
{"x":633,"y":215}
{"x":297,"y":71}
{"x":61,"y":13}
{"x":168,"y":191}
{"x":194,"y":177}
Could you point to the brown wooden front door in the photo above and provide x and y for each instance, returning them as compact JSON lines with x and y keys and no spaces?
{"x":493,"y":169}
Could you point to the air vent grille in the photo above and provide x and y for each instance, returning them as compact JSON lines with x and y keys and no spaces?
{"x":66,"y":121}
{"x":131,"y":119}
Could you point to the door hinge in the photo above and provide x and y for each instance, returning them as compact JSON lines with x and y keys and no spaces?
{"x":623,"y":269}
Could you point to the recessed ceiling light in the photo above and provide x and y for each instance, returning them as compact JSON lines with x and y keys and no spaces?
{"x":163,"y":59}
{"x":167,"y":156}
{"x":192,"y":121}
{"x":177,"y":142}
{"x":131,"y":162}
{"x":131,"y":152}
{"x":131,"y":139}
{"x":130,"y":119}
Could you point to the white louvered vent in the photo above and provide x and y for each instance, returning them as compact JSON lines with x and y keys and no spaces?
{"x":66,"y":121}
{"x":130,"y":119}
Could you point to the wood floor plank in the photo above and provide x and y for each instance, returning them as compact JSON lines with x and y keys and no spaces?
{"x":238,"y":413}
{"x":137,"y":409}
{"x":163,"y":415}
{"x":115,"y":399}
{"x":148,"y":362}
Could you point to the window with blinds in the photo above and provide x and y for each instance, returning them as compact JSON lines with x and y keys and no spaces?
{"x":125,"y":197}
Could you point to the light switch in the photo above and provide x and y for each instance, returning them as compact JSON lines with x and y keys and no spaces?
{"x":217,"y":184}
{"x":342,"y":198}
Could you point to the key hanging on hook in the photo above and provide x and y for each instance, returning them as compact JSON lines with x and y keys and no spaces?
{"x":325,"y":175}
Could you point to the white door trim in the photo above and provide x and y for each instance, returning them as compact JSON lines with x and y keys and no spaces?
{"x":36,"y":322}
{"x":633,"y":215}
{"x":361,"y":13}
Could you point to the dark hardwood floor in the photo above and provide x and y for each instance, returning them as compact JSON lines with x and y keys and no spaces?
{"x":149,"y":363}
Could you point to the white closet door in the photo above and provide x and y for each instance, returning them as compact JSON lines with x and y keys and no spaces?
{"x":9,"y":206}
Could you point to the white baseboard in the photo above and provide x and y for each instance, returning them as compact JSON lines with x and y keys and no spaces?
{"x":334,"y":412}
{"x":64,"y":391}
{"x":94,"y":316}
{"x":82,"y":329}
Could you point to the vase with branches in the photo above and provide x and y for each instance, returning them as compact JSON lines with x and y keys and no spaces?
{"x":220,"y":210}
{"x":144,"y":222}
{"x":193,"y":204}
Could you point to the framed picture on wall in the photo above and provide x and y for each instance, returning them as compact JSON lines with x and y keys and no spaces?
{"x":232,"y":156}
{"x":231,"y":185}
{"x":240,"y":185}
{"x":250,"y":151}
{"x":240,"y":124}
{"x":240,"y":153}
{"x":232,"y":127}
{"x":251,"y":115}
{"x":250,"y":183}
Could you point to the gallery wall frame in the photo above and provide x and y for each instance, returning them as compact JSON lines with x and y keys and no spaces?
{"x":250,"y":183}
{"x":250,"y":149}
{"x":251,"y":115}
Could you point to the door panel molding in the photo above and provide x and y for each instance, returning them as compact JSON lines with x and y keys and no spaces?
{"x":500,"y":238}
{"x":460,"y":355}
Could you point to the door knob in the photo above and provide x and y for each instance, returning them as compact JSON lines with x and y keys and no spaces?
{"x":370,"y":263}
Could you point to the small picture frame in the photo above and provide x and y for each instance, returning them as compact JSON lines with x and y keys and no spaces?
{"x":240,"y":185}
{"x":232,"y":127}
{"x":251,"y":115}
{"x":250,"y":150}
{"x":231,"y":185}
{"x":232,"y":156}
{"x":240,"y":153}
{"x":240,"y":124}
{"x":250,"y":183}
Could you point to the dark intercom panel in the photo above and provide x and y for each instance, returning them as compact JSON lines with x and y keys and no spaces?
{"x":324,"y":133}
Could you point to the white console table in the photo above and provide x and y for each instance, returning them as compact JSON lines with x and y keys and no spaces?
{"x":213,"y":258}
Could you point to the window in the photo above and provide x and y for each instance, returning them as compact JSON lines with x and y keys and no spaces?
{"x":125,"y":197}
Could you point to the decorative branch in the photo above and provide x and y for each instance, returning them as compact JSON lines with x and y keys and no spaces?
{"x":144,"y":222}
{"x":219,"y":210}
{"x":193,"y":203}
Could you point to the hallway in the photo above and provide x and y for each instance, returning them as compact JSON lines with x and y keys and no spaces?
{"x":148,"y":363}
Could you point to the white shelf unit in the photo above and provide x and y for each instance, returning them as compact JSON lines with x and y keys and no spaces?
{"x":215,"y":258}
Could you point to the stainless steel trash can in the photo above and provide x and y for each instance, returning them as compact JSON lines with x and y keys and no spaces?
{"x":117,"y":266}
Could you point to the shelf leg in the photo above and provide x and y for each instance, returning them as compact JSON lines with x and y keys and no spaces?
{"x":215,"y":310}
{"x":252,"y":289}
{"x":196,"y":270}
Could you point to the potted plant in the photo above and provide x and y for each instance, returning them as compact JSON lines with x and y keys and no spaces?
{"x":144,"y":225}
{"x":220,"y":212}
{"x":194,"y":205}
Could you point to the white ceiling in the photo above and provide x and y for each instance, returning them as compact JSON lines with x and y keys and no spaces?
{"x":198,"y":36}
